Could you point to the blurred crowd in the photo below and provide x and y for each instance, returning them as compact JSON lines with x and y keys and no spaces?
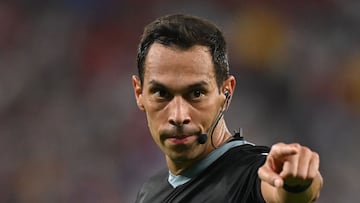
{"x":69,"y":127}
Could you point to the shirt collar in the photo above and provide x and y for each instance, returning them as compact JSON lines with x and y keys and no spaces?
{"x":177,"y":180}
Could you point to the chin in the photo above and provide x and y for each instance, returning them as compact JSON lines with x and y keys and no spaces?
{"x":184,"y":155}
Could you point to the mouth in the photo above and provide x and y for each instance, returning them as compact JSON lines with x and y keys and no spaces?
{"x":181,"y":139}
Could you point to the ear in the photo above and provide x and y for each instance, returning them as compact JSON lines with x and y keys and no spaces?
{"x":229,"y":87}
{"x":136,"y":82}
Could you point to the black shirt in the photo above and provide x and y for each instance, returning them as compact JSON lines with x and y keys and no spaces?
{"x":231,"y":178}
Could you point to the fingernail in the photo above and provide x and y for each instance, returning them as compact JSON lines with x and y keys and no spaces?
{"x":277,"y":183}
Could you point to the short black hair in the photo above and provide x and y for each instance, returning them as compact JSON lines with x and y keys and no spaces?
{"x":185,"y":31}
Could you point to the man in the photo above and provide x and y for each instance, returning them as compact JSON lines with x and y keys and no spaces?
{"x":184,"y":87}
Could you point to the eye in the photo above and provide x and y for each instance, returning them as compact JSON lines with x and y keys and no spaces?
{"x":161,"y":93}
{"x":197,"y":94}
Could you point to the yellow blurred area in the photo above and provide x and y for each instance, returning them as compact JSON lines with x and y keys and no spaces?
{"x":259,"y":36}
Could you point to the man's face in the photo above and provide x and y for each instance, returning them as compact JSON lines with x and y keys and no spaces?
{"x":181,"y":99}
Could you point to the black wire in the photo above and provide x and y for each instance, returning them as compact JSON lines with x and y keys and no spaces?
{"x":220,"y":115}
{"x":217,"y":119}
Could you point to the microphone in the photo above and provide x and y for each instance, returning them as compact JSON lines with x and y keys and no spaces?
{"x":202,"y":138}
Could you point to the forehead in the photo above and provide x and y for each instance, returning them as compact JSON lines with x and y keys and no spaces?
{"x":174,"y":65}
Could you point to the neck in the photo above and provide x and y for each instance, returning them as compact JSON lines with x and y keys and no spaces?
{"x":220,"y":135}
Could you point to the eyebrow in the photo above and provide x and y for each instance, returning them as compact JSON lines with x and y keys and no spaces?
{"x":200,"y":84}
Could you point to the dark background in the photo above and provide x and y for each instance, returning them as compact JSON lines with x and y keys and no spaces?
{"x":69,"y":127}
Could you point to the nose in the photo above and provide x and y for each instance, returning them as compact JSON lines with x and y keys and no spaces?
{"x":179,"y":112}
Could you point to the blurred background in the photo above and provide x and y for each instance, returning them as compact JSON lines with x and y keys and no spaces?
{"x":69,"y":127}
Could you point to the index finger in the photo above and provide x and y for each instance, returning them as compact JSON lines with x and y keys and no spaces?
{"x":281,"y":150}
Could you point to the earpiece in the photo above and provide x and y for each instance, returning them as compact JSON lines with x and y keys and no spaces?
{"x":227,"y":94}
{"x":227,"y":98}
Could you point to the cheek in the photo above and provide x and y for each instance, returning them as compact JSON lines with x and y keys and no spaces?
{"x":151,"y":121}
{"x":207,"y":119}
{"x":154,"y":126}
{"x":151,"y":104}
{"x":154,"y":123}
{"x":205,"y":115}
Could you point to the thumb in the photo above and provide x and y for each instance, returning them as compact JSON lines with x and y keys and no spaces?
{"x":267,"y":175}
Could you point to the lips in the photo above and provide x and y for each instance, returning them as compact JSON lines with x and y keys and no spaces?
{"x":183,"y":139}
{"x":179,"y":136}
{"x":183,"y":135}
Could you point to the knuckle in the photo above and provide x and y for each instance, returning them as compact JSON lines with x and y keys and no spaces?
{"x":297,"y":146}
{"x":307,"y":149}
{"x":262,"y":173}
{"x":315,"y":155}
{"x":277,"y":146}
